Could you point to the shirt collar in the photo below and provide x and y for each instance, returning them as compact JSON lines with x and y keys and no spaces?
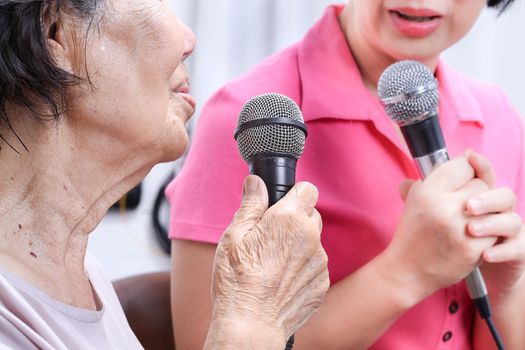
{"x":332,"y":86}
{"x":454,"y":90}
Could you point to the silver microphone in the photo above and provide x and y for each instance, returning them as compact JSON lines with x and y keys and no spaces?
{"x":410,"y":96}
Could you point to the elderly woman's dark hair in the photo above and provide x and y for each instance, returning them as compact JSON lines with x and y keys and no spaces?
{"x":29,"y":76}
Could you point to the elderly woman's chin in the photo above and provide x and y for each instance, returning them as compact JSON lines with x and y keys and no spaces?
{"x":175,"y":140}
{"x":175,"y":144}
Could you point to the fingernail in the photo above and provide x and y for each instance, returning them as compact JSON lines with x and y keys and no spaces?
{"x":478,"y":227}
{"x":476,"y":205}
{"x":250,"y":185}
{"x":490,"y":255}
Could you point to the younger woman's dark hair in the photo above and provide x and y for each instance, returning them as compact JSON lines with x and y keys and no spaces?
{"x":501,"y":5}
{"x":29,"y":76}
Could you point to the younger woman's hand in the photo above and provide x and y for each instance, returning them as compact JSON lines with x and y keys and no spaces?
{"x":431,"y":244}
{"x":493,"y":215}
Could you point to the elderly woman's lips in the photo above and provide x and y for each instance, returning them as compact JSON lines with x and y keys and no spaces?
{"x":183,"y":90}
{"x":188,"y":98}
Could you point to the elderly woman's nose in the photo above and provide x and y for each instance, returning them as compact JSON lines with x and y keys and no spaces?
{"x":189,"y":40}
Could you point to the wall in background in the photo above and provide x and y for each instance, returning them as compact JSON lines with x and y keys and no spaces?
{"x":235,"y":34}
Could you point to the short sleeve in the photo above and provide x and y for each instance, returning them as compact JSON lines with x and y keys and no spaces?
{"x":208,"y":191}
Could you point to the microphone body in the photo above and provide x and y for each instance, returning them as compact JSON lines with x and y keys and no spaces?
{"x":270,"y":135}
{"x":409,"y":93}
{"x":277,"y":172}
{"x":427,"y":146}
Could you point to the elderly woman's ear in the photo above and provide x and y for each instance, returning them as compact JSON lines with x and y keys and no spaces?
{"x":64,"y":40}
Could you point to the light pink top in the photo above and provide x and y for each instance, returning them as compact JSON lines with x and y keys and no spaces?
{"x":30,"y":319}
{"x":356,"y":159}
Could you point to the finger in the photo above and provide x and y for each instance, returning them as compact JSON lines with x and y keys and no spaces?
{"x":451,"y":175}
{"x":511,"y":250}
{"x":405,"y":187}
{"x":472,"y":188}
{"x":482,"y":168}
{"x":303,"y":196}
{"x":253,"y":206}
{"x":494,"y":201}
{"x":507,"y":225}
{"x":316,"y":217}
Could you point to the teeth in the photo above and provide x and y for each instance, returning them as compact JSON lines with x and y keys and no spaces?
{"x":413,"y":18}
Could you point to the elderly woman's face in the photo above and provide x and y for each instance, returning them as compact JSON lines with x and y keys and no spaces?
{"x":140,"y":100}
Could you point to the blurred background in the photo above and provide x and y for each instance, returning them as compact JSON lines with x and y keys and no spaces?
{"x":233,"y":35}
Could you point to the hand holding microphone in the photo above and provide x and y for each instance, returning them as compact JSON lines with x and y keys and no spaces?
{"x":270,"y":271}
{"x":454,"y":218}
{"x":409,"y":92}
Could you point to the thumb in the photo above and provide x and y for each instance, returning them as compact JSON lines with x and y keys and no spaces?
{"x":404,"y":188}
{"x":253,"y":205}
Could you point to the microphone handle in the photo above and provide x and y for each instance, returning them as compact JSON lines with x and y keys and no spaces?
{"x":475,"y":283}
{"x":278,"y":174}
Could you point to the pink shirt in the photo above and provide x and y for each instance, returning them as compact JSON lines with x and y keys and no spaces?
{"x":354,"y":156}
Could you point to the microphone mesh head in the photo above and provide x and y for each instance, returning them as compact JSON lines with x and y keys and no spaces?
{"x":271,"y":138}
{"x":415,"y":82}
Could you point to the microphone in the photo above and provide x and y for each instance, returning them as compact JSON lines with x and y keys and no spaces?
{"x":270,"y":135}
{"x":409,"y":93}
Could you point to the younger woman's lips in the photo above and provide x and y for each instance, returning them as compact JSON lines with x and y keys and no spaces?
{"x":415,"y":23}
{"x":417,"y":12}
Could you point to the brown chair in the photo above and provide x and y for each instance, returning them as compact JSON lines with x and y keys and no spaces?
{"x":146,"y":303}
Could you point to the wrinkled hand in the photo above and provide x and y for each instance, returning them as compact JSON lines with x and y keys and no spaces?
{"x":270,"y":267}
{"x":431,"y":243}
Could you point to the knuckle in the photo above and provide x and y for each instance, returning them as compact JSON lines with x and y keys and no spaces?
{"x":325,"y":277}
{"x":516,"y":225}
{"x":479,"y":185}
{"x":318,"y":220}
{"x":324,"y":259}
{"x":307,"y":193}
{"x":471,"y":254}
{"x":308,"y":187}
{"x":520,"y":246}
{"x":321,"y":256}
{"x":510,"y":195}
{"x":250,"y":207}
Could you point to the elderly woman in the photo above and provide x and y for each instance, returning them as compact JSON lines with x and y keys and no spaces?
{"x":93,"y":93}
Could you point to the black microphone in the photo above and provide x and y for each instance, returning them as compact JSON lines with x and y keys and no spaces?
{"x":410,"y":96}
{"x":270,"y":135}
